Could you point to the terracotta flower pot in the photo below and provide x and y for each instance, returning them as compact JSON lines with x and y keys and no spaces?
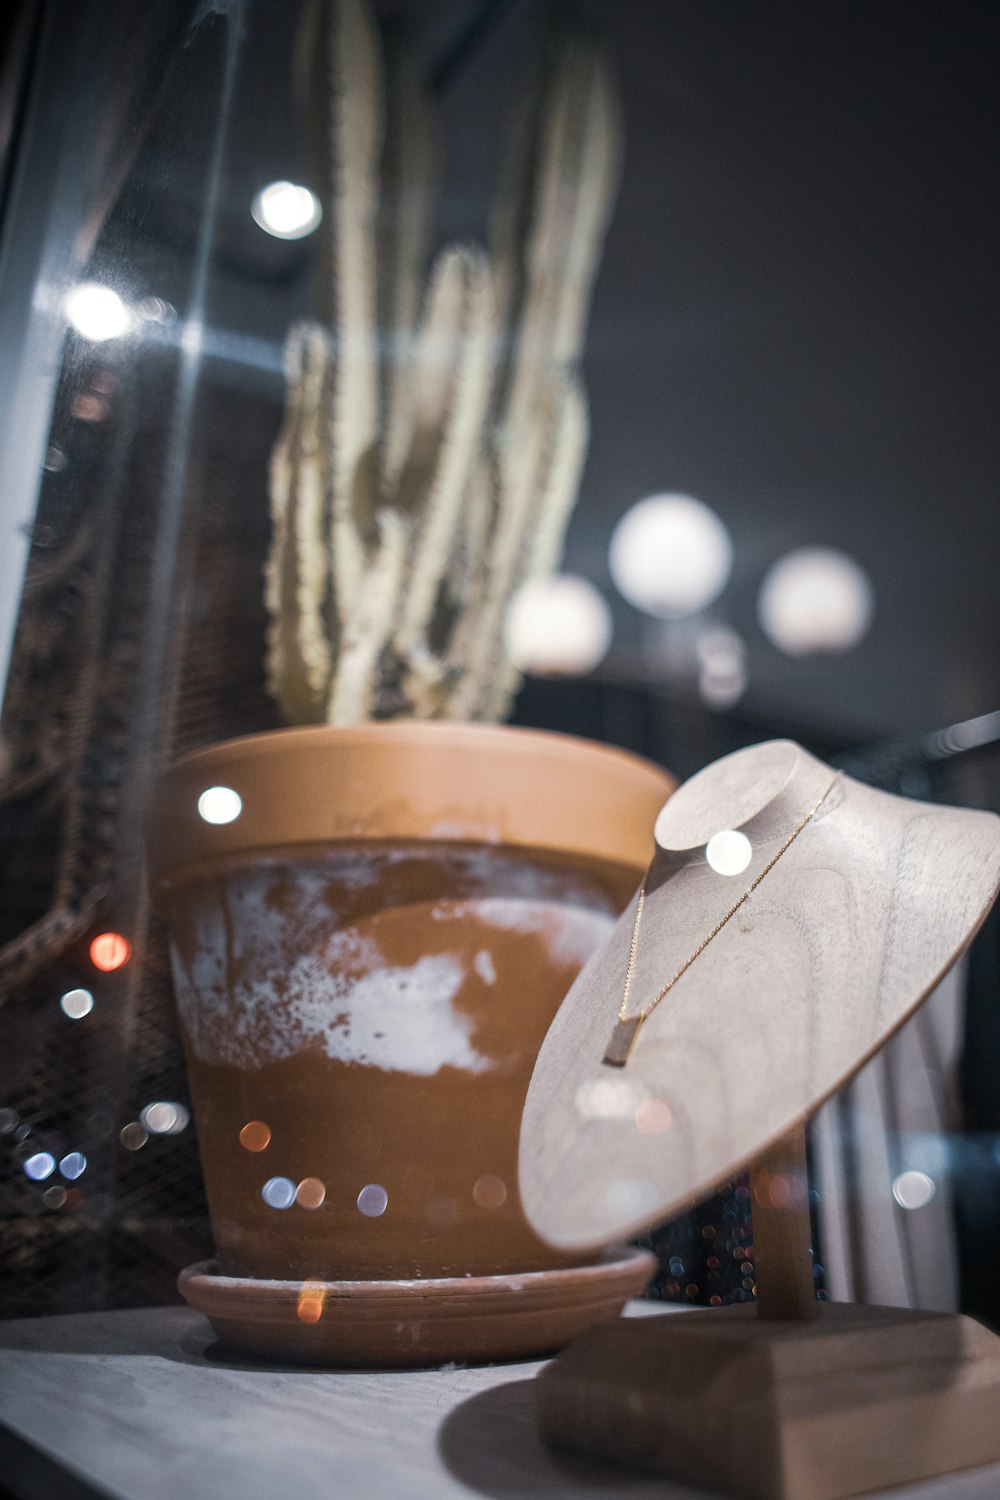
{"x":366,"y":958}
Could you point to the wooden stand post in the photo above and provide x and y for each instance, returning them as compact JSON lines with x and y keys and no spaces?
{"x":792,"y":1399}
{"x":782,"y":1235}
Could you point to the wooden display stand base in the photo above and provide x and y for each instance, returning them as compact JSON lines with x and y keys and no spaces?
{"x":792,"y":1399}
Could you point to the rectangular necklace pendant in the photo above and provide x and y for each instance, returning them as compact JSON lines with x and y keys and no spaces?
{"x":621,"y":1041}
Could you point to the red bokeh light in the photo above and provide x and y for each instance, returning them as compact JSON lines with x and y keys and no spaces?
{"x":109,"y":950}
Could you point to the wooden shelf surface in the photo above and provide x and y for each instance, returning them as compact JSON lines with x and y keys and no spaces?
{"x":143,"y":1405}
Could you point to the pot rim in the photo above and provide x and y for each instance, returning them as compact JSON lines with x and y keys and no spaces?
{"x":412,"y":781}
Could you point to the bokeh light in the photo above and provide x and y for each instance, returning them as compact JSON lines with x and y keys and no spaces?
{"x":133,"y":1137}
{"x":39,"y":1166}
{"x":373,"y":1200}
{"x":76,"y":1004}
{"x":156,"y":310}
{"x":220,"y":804}
{"x":670,"y":556}
{"x":558,"y":627}
{"x":729,"y":852}
{"x":311,"y":1301}
{"x":606,"y":1099}
{"x":489,"y":1191}
{"x":73,"y":1165}
{"x":96,"y":312}
{"x":913,"y":1189}
{"x":310,"y":1193}
{"x":110,"y":951}
{"x":722,"y":670}
{"x":653,"y":1117}
{"x":630,"y":1197}
{"x":286,"y":210}
{"x":255,"y":1135}
{"x":278,"y":1192}
{"x":815,"y":600}
{"x":164,"y":1117}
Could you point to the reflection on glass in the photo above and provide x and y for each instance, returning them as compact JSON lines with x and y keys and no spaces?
{"x":156,"y":310}
{"x":96,"y":312}
{"x":287,"y":211}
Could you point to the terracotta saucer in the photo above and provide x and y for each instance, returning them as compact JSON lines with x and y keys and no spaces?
{"x":427,"y":1322}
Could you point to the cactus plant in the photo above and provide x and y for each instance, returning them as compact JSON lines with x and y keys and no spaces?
{"x":431,"y":450}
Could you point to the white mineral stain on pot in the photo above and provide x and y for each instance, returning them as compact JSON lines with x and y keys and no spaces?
{"x":571,"y":932}
{"x":396,"y":1019}
{"x":485,"y":967}
{"x":461,"y":830}
{"x":246,"y":997}
{"x":261,"y":978}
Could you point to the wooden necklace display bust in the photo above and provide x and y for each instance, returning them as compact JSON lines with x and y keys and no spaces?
{"x":856,"y":922}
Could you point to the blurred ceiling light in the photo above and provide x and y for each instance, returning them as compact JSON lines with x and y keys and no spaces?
{"x":287,"y":211}
{"x":670,"y":556}
{"x":815,"y":599}
{"x":722,"y":673}
{"x":96,"y":312}
{"x":557,"y":627}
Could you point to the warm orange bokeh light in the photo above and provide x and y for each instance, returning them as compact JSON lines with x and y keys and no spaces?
{"x":312,"y":1299}
{"x":255,"y":1135}
{"x":109,"y":951}
{"x":653,"y":1117}
{"x":310,"y":1193}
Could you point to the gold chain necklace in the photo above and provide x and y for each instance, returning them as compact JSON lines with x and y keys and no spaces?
{"x":626,"y":1028}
